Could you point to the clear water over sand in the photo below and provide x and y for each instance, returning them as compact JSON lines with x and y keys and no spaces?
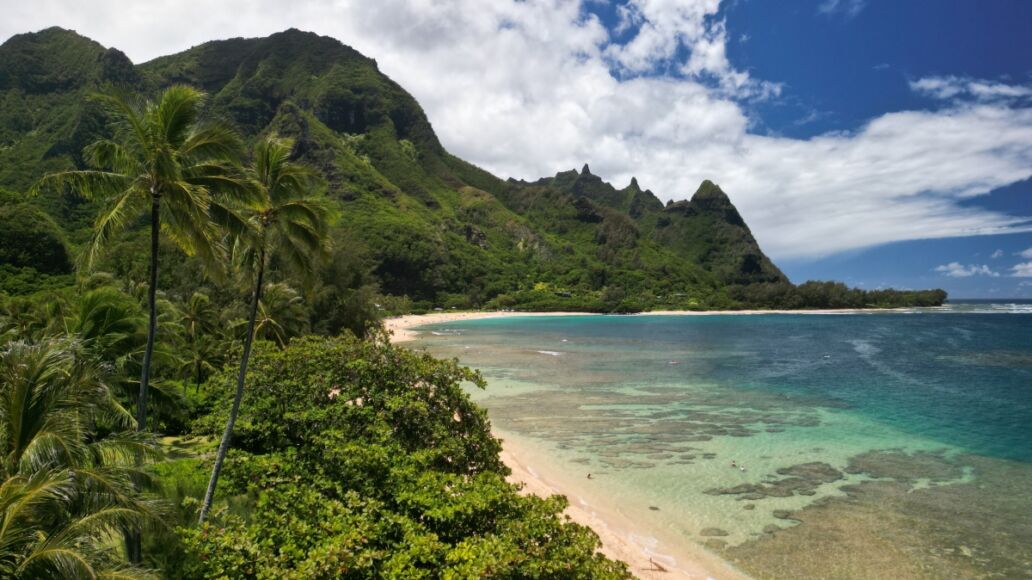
{"x":875,"y":445}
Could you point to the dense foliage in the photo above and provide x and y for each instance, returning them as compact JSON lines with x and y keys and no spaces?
{"x":366,"y":460}
{"x":352,"y":458}
{"x":68,"y":469}
{"x":832,"y":295}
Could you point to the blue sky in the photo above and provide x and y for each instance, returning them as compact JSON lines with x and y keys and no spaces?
{"x":842,"y":69}
{"x":879,"y":142}
{"x":840,"y":64}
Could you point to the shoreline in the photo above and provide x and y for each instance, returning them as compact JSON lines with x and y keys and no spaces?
{"x":403,"y":328}
{"x":621,"y":538}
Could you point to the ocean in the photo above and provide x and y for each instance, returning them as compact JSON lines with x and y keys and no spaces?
{"x":861,"y":445}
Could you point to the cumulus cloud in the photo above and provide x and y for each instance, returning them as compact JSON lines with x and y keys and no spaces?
{"x":664,"y":27}
{"x":958,"y":270}
{"x":1023,"y":270}
{"x":848,"y":8}
{"x":953,"y":87}
{"x":529,"y":88}
{"x":1026,"y":253}
{"x":997,"y":254}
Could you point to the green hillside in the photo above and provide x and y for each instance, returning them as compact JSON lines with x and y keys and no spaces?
{"x":423,"y":228}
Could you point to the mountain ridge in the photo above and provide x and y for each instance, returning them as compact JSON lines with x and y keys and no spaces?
{"x":432,"y":227}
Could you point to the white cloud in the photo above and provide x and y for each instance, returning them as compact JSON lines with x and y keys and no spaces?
{"x":1026,"y":253}
{"x":663,"y":27}
{"x":958,"y":270}
{"x":849,"y":8}
{"x":997,"y":254}
{"x":953,"y":87}
{"x":1023,"y":270}
{"x":528,"y":88}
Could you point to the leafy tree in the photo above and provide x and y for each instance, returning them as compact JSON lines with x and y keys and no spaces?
{"x":369,"y":461}
{"x":165,"y":160}
{"x":287,"y":221}
{"x":68,"y":466}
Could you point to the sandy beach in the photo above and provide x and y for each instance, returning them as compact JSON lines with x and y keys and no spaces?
{"x":402,"y":327}
{"x":621,"y":538}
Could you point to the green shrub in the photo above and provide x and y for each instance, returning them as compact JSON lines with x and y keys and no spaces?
{"x":370,"y":461}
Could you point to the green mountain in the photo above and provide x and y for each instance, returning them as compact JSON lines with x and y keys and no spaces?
{"x":418,"y":222}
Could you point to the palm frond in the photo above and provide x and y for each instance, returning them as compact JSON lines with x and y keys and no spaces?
{"x":119,"y":211}
{"x":212,"y":140}
{"x":176,"y":113}
{"x":89,"y":183}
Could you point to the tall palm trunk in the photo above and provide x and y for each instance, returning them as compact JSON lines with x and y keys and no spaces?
{"x":152,"y":306}
{"x":220,"y":456}
{"x":134,"y":538}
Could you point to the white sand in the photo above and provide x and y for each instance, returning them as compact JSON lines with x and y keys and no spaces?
{"x":402,"y":327}
{"x":621,"y":537}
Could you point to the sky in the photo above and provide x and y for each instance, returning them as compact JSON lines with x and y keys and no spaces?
{"x":878,"y":142}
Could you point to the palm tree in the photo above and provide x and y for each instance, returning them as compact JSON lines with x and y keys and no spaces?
{"x":163,"y":159}
{"x":201,"y":357}
{"x":286,"y":221}
{"x":281,"y":314}
{"x":198,"y":318}
{"x":66,"y":487}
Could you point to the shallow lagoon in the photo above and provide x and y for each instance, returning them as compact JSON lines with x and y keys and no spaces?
{"x":874,"y":445}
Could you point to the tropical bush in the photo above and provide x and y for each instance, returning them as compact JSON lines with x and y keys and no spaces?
{"x":366,"y":460}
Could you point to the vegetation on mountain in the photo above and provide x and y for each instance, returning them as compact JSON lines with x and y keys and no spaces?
{"x":432,"y":230}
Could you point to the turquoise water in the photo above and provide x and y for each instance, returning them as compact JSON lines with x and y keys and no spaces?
{"x":854,"y":430}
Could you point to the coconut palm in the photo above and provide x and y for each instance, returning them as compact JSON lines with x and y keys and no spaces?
{"x":197,"y":316}
{"x":287,"y":221}
{"x":67,"y":488}
{"x":163,"y":160}
{"x":198,"y":319}
{"x":281,"y":314}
